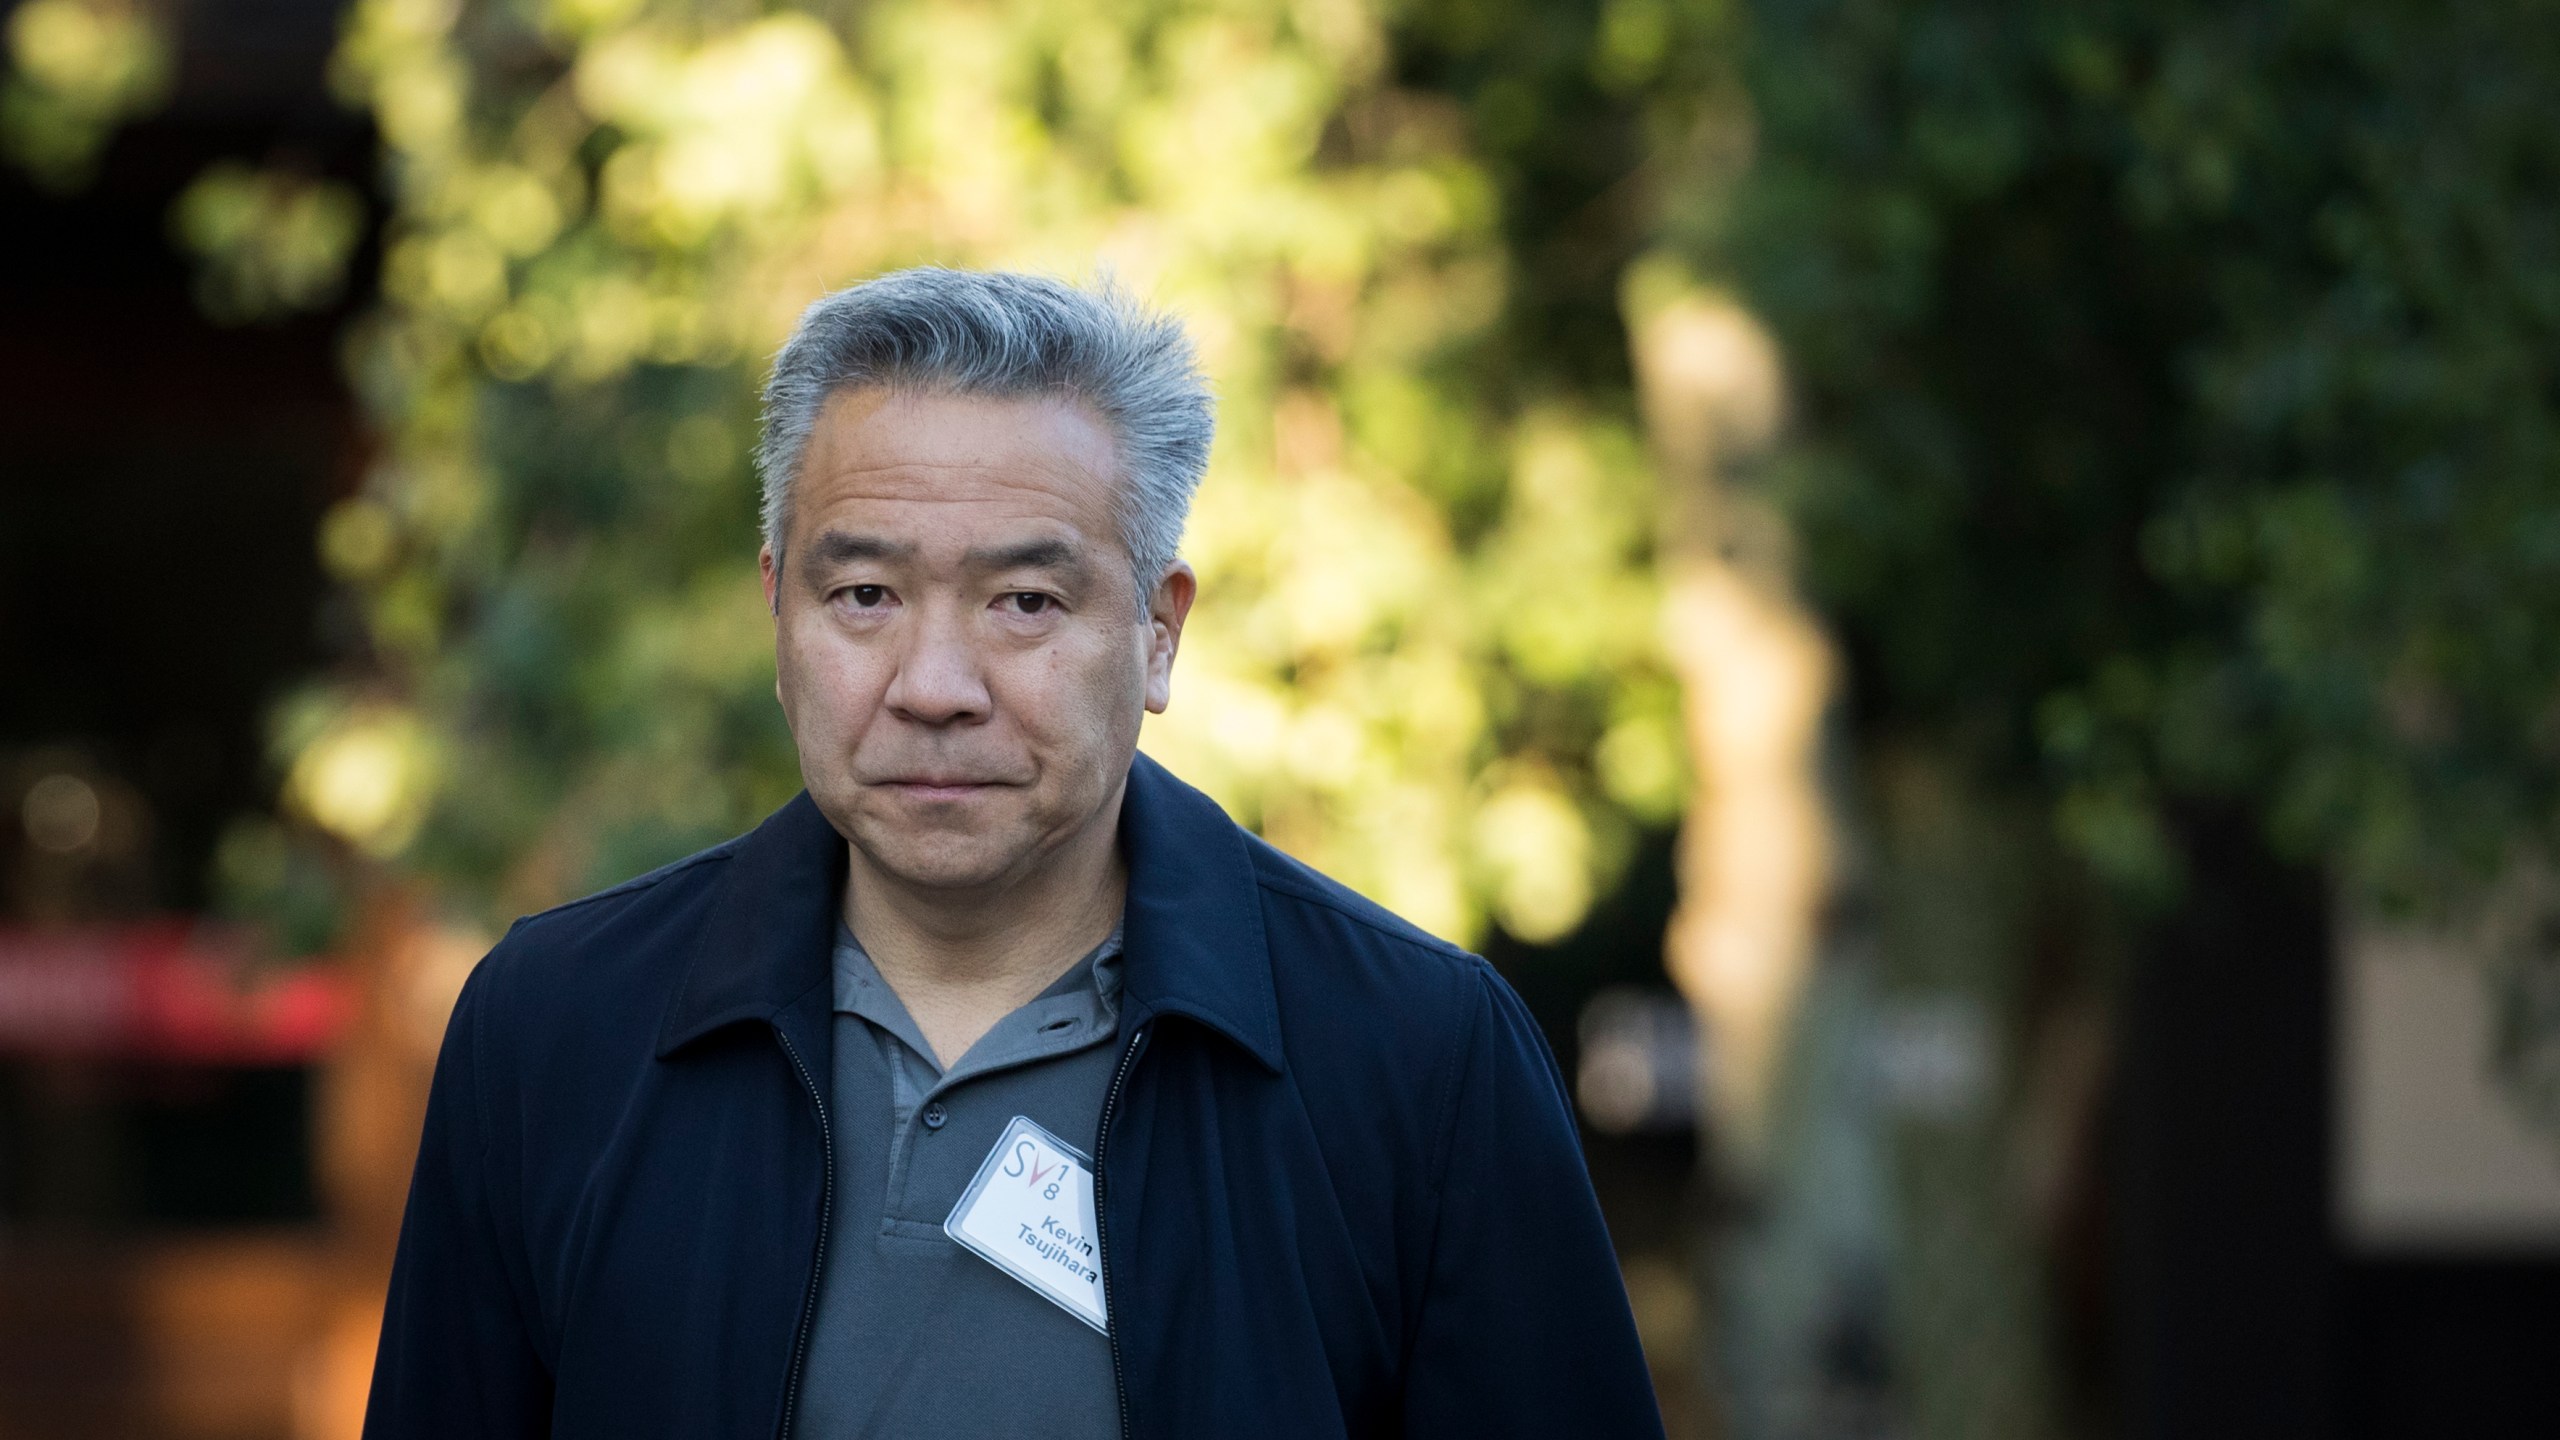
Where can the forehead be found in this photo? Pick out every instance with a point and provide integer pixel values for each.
(927, 461)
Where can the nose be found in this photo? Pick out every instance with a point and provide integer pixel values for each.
(939, 681)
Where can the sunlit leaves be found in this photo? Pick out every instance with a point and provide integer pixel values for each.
(754, 124)
(1425, 655)
(77, 69)
(267, 243)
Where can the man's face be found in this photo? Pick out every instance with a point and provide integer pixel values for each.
(959, 651)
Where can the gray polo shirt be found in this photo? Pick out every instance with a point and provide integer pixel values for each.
(916, 1338)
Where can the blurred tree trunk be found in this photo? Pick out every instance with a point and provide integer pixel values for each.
(1955, 897)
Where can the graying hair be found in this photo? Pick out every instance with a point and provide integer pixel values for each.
(968, 332)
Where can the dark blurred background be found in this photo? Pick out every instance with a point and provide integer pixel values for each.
(1965, 597)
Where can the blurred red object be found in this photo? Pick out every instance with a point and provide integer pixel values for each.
(171, 990)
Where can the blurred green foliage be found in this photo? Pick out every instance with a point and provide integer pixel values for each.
(2173, 440)
(266, 242)
(77, 69)
(2177, 418)
(1428, 595)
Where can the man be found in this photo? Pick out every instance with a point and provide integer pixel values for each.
(999, 1084)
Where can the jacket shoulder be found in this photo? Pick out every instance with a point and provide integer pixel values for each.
(1386, 1025)
(1363, 991)
(1294, 884)
(582, 958)
(670, 883)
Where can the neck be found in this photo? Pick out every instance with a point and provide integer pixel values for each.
(994, 946)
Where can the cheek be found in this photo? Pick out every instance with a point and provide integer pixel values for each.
(827, 682)
(1074, 693)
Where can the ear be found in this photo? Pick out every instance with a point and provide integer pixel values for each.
(772, 572)
(1167, 608)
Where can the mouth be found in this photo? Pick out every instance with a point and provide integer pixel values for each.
(936, 789)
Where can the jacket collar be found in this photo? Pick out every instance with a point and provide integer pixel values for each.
(1192, 931)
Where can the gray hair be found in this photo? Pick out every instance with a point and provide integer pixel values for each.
(970, 332)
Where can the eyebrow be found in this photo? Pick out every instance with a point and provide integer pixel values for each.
(1051, 554)
(835, 547)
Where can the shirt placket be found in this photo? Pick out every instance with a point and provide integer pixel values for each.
(922, 1092)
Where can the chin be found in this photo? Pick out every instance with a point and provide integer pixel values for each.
(941, 862)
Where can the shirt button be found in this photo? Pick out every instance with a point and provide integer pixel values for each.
(934, 1115)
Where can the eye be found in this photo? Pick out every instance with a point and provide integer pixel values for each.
(1029, 602)
(865, 597)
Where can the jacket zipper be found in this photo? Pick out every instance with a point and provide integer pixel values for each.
(1101, 1217)
(826, 1218)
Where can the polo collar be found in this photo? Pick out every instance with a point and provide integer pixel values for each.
(1192, 936)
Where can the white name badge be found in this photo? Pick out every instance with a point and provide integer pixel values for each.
(1030, 1214)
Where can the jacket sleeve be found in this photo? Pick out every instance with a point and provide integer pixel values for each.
(458, 1359)
(1524, 1327)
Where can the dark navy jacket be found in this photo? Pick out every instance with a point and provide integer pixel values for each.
(1340, 1188)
